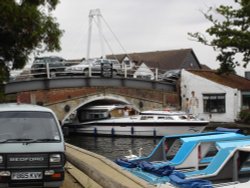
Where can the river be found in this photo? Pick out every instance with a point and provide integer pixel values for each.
(113, 148)
(116, 147)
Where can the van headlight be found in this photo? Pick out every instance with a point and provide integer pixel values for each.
(1, 159)
(55, 158)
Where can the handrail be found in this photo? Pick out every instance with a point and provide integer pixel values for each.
(51, 72)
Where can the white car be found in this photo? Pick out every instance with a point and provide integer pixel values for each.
(97, 66)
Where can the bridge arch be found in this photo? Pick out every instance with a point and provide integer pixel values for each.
(74, 104)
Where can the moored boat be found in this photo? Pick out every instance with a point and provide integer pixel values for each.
(147, 123)
(220, 157)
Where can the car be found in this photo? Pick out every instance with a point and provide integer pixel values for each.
(55, 64)
(32, 146)
(98, 66)
(170, 75)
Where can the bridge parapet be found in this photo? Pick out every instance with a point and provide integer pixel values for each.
(76, 82)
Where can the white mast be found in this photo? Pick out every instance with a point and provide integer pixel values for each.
(95, 13)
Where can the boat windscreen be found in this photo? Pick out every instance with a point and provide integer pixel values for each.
(171, 150)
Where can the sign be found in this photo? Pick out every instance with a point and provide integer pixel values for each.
(107, 70)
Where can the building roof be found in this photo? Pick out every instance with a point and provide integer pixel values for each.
(230, 80)
(205, 67)
(165, 60)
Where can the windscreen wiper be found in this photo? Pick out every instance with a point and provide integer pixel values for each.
(24, 140)
(43, 140)
(28, 140)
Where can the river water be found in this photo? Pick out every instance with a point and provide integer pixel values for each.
(116, 147)
(113, 148)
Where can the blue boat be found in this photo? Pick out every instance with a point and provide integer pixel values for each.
(214, 156)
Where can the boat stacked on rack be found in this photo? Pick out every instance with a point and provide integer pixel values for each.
(147, 123)
(209, 159)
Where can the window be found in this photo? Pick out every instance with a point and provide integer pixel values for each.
(247, 74)
(214, 103)
(245, 100)
(147, 117)
(27, 125)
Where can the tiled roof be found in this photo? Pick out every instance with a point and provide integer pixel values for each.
(205, 67)
(172, 59)
(230, 80)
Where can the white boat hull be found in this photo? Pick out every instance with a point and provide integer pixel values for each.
(137, 130)
(148, 124)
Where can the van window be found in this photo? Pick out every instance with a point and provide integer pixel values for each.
(28, 125)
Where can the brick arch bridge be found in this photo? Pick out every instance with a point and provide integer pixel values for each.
(65, 95)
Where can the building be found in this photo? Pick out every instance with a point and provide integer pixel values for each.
(162, 60)
(221, 97)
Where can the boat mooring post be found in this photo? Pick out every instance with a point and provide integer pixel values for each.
(132, 131)
(113, 132)
(154, 133)
(95, 131)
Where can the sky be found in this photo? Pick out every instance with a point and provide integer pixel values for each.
(139, 25)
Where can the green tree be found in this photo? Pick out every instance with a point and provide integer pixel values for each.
(229, 34)
(26, 26)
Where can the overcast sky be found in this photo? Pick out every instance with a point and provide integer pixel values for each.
(140, 26)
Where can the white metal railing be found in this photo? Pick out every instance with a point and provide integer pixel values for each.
(125, 72)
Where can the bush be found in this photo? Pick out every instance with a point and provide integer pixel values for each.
(245, 116)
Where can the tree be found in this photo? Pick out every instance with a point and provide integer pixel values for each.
(229, 35)
(26, 26)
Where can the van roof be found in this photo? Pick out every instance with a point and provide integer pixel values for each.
(22, 107)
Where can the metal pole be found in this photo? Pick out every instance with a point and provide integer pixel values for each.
(89, 34)
(47, 70)
(98, 14)
(235, 166)
(91, 15)
(125, 71)
(156, 74)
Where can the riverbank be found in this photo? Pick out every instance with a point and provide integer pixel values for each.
(244, 127)
(100, 171)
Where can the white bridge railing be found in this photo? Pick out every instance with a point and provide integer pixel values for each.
(153, 74)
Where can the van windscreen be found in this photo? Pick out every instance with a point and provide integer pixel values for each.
(28, 125)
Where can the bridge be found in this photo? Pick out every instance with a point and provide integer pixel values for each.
(65, 94)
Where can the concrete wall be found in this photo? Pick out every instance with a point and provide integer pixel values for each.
(191, 82)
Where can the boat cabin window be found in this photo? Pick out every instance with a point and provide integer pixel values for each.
(89, 115)
(165, 118)
(172, 149)
(244, 162)
(147, 117)
(206, 152)
(212, 150)
(183, 117)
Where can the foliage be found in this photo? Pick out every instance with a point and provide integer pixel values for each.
(26, 26)
(229, 33)
(244, 116)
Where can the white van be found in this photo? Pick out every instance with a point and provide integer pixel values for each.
(31, 147)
